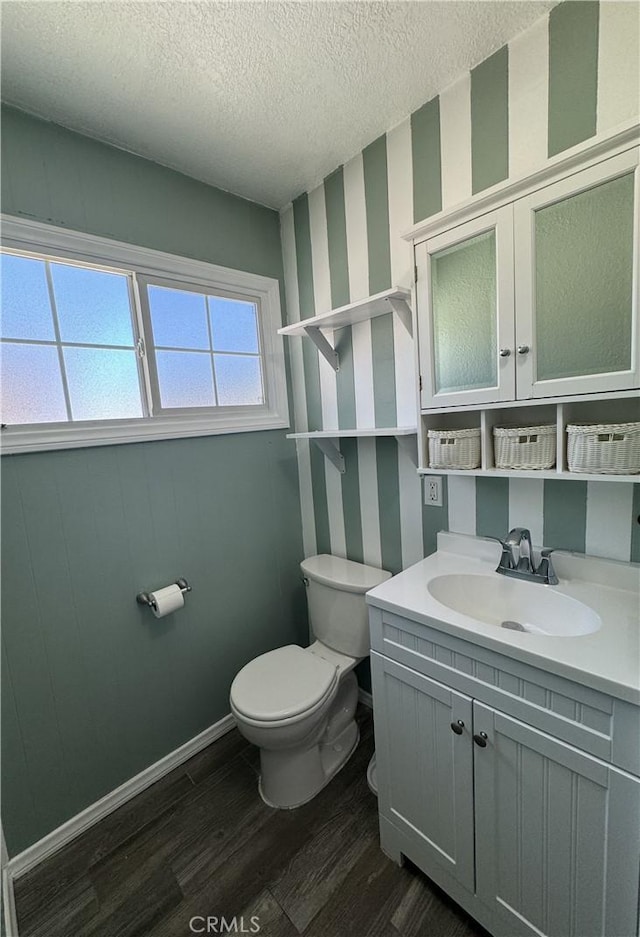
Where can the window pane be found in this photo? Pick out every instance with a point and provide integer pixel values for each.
(92, 306)
(31, 384)
(239, 380)
(584, 282)
(103, 383)
(178, 318)
(234, 325)
(26, 311)
(185, 379)
(465, 314)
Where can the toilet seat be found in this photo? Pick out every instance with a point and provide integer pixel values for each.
(282, 685)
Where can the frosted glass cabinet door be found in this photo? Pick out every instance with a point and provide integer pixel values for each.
(465, 312)
(577, 283)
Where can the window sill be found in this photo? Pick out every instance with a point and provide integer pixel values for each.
(43, 439)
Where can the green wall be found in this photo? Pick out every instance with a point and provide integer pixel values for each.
(94, 689)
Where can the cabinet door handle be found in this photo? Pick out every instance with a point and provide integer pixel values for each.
(481, 739)
(523, 349)
(505, 352)
(457, 727)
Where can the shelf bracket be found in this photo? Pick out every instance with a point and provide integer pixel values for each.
(330, 450)
(323, 346)
(410, 446)
(403, 311)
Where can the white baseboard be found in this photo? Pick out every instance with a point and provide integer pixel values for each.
(365, 698)
(59, 837)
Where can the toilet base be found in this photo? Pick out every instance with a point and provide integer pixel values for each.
(295, 778)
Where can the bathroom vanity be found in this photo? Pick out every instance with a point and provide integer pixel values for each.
(508, 761)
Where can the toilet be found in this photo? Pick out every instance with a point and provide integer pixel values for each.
(298, 704)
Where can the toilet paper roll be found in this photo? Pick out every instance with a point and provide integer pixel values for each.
(166, 600)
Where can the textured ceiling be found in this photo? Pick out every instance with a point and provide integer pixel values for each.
(262, 99)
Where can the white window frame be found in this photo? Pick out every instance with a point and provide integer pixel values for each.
(38, 238)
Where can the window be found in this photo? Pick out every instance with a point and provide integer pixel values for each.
(102, 342)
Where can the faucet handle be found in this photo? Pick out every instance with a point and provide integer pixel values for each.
(545, 567)
(506, 559)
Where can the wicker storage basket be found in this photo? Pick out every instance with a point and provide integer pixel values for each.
(607, 448)
(525, 447)
(454, 448)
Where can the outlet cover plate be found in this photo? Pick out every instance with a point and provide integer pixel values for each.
(433, 490)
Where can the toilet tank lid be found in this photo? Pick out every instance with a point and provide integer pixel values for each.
(343, 574)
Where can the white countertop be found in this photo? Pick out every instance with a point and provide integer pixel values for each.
(607, 659)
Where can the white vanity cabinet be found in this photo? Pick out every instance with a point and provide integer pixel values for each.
(515, 790)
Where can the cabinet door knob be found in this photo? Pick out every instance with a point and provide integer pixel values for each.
(481, 739)
(505, 352)
(457, 727)
(523, 349)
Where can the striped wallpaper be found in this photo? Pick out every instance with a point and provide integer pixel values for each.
(570, 76)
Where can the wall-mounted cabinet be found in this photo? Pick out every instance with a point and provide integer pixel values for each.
(537, 298)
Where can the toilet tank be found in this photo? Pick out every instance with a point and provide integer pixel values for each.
(337, 607)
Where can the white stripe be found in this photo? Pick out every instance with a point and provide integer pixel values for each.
(528, 99)
(363, 375)
(410, 509)
(462, 504)
(400, 187)
(309, 543)
(319, 250)
(609, 510)
(526, 504)
(455, 141)
(618, 64)
(355, 210)
(368, 473)
(358, 260)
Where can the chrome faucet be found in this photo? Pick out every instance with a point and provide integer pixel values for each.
(520, 564)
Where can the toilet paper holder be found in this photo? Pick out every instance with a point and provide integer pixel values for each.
(143, 598)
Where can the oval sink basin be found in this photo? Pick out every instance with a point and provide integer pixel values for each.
(515, 605)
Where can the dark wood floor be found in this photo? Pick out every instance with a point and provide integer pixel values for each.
(200, 843)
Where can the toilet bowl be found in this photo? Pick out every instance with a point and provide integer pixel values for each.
(298, 704)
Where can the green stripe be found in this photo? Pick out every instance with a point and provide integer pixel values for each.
(434, 519)
(337, 236)
(389, 503)
(345, 379)
(573, 73)
(635, 526)
(490, 121)
(304, 263)
(492, 507)
(376, 193)
(351, 501)
(565, 515)
(320, 507)
(425, 153)
(384, 371)
(302, 233)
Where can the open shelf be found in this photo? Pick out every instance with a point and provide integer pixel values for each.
(393, 300)
(614, 407)
(325, 440)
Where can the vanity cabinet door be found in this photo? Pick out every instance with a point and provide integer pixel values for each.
(424, 767)
(576, 266)
(465, 313)
(557, 834)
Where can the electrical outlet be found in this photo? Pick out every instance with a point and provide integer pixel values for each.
(433, 490)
